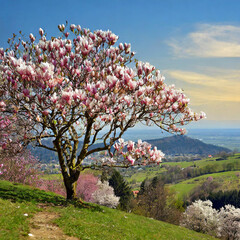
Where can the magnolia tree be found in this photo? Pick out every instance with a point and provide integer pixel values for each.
(84, 89)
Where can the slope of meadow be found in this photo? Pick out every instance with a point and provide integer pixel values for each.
(227, 181)
(19, 203)
(212, 165)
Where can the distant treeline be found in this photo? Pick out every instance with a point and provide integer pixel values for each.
(220, 199)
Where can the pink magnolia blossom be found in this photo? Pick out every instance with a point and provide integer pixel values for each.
(41, 32)
(32, 37)
(141, 154)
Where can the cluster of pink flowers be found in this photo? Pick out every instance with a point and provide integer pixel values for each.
(141, 154)
(4, 137)
(53, 185)
(5, 127)
(10, 135)
(96, 86)
(2, 106)
(86, 185)
(21, 168)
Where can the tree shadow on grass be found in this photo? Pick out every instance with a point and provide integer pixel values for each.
(22, 193)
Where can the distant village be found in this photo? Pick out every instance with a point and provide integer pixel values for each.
(52, 167)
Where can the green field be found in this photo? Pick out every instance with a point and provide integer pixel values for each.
(139, 176)
(52, 176)
(59, 175)
(228, 181)
(89, 222)
(232, 163)
(207, 161)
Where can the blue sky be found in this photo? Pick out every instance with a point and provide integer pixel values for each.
(196, 44)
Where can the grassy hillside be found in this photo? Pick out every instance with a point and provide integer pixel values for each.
(17, 200)
(227, 180)
(232, 163)
(225, 172)
(92, 222)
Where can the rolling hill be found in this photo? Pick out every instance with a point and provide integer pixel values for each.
(186, 145)
(169, 145)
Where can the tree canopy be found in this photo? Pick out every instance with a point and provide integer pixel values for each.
(86, 87)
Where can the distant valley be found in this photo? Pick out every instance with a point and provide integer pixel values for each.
(174, 145)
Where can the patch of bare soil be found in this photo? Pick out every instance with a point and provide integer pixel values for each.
(43, 228)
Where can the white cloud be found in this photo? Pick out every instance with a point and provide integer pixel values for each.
(209, 41)
(216, 91)
(219, 85)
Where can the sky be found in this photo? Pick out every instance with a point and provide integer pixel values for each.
(195, 44)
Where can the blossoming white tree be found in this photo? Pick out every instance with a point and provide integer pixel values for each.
(105, 196)
(83, 88)
(201, 217)
(229, 222)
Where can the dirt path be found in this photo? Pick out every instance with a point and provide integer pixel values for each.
(43, 228)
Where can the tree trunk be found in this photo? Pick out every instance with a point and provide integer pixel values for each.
(70, 178)
(70, 189)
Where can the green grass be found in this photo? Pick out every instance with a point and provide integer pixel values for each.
(227, 181)
(22, 193)
(107, 224)
(141, 175)
(52, 176)
(206, 161)
(231, 159)
(17, 200)
(58, 176)
(13, 223)
(218, 166)
(85, 222)
(183, 189)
